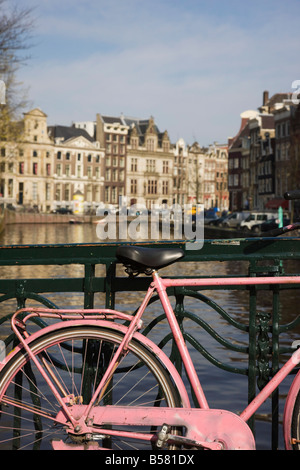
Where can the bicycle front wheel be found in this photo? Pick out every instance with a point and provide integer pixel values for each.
(77, 356)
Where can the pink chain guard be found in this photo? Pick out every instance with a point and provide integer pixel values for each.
(203, 426)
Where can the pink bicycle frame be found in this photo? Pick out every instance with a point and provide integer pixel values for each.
(294, 360)
(160, 285)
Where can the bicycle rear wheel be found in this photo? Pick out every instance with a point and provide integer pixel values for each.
(294, 439)
(78, 357)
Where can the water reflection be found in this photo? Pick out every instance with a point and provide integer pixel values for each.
(223, 389)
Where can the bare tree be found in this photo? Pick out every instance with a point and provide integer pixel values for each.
(16, 24)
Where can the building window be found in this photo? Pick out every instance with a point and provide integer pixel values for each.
(134, 142)
(97, 194)
(21, 168)
(165, 187)
(166, 146)
(133, 164)
(107, 193)
(150, 144)
(114, 194)
(34, 168)
(67, 192)
(133, 186)
(2, 187)
(115, 175)
(152, 187)
(150, 165)
(165, 167)
(57, 193)
(10, 188)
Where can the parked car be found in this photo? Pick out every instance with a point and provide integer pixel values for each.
(63, 210)
(268, 225)
(256, 218)
(218, 221)
(235, 219)
(209, 217)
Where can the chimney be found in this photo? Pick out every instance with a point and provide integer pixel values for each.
(265, 97)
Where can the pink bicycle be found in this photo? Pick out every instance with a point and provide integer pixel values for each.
(91, 380)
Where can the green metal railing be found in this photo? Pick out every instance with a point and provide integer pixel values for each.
(263, 330)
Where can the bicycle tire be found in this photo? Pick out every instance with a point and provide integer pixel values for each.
(295, 425)
(20, 382)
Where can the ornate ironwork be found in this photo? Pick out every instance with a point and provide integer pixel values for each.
(260, 356)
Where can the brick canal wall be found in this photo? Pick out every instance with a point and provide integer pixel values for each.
(12, 217)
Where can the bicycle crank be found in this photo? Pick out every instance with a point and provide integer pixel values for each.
(164, 438)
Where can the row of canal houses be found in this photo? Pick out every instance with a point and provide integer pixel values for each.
(263, 158)
(50, 167)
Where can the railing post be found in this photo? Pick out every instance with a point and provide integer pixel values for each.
(275, 356)
(110, 294)
(252, 352)
(89, 275)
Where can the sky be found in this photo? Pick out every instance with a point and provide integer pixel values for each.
(194, 65)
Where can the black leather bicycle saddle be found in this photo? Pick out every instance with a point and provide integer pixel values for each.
(143, 259)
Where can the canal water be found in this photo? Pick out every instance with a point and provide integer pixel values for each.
(223, 389)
